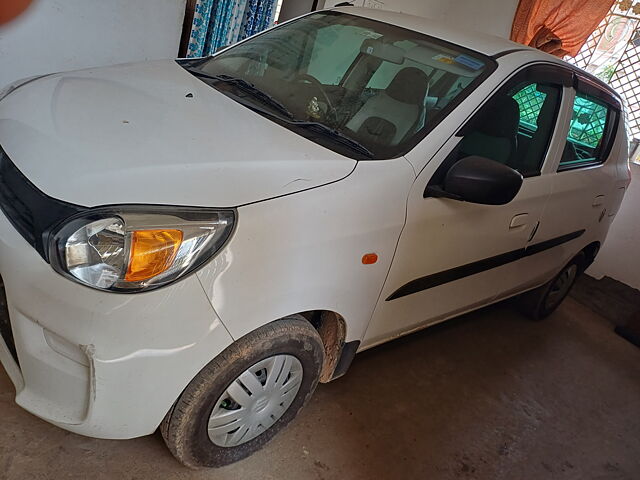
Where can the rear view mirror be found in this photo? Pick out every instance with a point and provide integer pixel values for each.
(479, 180)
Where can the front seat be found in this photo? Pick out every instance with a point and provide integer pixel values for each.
(387, 117)
(495, 133)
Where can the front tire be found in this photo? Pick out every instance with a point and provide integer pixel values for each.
(243, 397)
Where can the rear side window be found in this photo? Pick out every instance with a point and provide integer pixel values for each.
(591, 133)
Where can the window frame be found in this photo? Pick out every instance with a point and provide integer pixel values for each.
(586, 86)
(561, 75)
(534, 72)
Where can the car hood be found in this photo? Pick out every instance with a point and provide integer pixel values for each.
(152, 133)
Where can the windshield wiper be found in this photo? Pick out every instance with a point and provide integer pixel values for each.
(334, 134)
(249, 88)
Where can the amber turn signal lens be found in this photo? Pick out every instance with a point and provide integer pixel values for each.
(369, 258)
(152, 252)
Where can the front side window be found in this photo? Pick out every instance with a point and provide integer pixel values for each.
(516, 125)
(530, 101)
(360, 87)
(587, 138)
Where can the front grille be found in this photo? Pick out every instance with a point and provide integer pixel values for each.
(5, 324)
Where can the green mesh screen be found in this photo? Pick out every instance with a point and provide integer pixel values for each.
(530, 101)
(588, 121)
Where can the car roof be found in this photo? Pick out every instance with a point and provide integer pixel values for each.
(490, 45)
(474, 40)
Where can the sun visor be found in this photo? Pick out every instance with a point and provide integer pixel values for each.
(459, 64)
(383, 51)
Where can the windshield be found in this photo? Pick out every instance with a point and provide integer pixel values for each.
(360, 87)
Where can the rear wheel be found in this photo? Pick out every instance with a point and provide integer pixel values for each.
(242, 398)
(538, 304)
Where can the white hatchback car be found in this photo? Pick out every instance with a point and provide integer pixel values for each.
(194, 244)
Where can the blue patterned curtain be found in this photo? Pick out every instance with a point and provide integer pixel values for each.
(222, 22)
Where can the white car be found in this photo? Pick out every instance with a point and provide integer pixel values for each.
(194, 244)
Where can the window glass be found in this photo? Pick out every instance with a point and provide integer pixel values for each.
(374, 85)
(344, 42)
(530, 101)
(586, 132)
(515, 126)
(387, 71)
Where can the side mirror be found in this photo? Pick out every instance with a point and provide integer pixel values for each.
(479, 180)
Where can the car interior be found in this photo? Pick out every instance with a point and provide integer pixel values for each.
(391, 87)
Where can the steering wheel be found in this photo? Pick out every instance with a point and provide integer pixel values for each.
(305, 77)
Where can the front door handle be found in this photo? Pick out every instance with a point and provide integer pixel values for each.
(598, 201)
(519, 221)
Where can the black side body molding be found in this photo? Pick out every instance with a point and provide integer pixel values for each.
(456, 273)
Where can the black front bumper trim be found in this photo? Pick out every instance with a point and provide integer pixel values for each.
(32, 213)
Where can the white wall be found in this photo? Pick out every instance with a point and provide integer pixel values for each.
(620, 255)
(488, 16)
(57, 35)
(294, 8)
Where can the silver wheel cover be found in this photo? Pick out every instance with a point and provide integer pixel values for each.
(255, 400)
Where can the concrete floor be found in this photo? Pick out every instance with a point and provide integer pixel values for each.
(486, 396)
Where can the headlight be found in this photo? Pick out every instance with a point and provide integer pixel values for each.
(130, 249)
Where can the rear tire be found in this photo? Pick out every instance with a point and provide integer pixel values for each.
(538, 304)
(261, 382)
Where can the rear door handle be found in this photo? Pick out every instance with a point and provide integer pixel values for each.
(598, 201)
(519, 221)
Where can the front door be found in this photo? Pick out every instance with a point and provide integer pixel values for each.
(454, 256)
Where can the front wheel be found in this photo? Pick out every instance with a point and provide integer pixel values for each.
(538, 304)
(243, 397)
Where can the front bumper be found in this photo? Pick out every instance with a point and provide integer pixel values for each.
(100, 364)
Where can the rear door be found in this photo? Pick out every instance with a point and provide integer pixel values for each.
(586, 182)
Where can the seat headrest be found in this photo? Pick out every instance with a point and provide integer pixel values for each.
(409, 86)
(500, 119)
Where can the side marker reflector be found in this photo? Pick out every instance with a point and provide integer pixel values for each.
(369, 258)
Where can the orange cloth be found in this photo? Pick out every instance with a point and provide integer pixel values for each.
(559, 27)
(10, 9)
